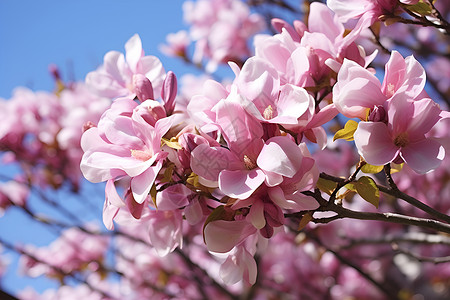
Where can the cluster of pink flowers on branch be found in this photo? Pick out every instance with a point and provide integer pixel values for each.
(246, 162)
(235, 181)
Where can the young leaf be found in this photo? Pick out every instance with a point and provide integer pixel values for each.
(347, 132)
(326, 186)
(422, 8)
(371, 169)
(172, 143)
(368, 190)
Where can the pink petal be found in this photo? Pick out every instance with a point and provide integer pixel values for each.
(240, 184)
(173, 197)
(322, 19)
(208, 162)
(133, 48)
(280, 155)
(374, 143)
(241, 131)
(165, 231)
(293, 102)
(258, 79)
(235, 231)
(423, 156)
(356, 90)
(426, 115)
(256, 214)
(141, 184)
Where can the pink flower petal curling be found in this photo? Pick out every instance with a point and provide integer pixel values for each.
(280, 155)
(173, 197)
(240, 184)
(235, 231)
(141, 184)
(256, 214)
(374, 143)
(165, 231)
(239, 266)
(423, 156)
(356, 90)
(208, 162)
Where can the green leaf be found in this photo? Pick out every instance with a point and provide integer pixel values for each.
(347, 132)
(422, 8)
(326, 186)
(368, 190)
(371, 169)
(172, 143)
(168, 172)
(219, 213)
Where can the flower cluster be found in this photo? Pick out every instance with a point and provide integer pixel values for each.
(243, 162)
(237, 179)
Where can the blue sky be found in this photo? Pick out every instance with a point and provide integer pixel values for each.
(74, 35)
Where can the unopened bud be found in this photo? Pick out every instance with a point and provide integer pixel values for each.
(88, 125)
(377, 114)
(142, 87)
(169, 92)
(54, 71)
(300, 27)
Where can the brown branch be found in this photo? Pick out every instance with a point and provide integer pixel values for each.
(383, 288)
(420, 258)
(385, 217)
(395, 191)
(410, 237)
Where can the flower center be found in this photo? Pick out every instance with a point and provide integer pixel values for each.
(141, 155)
(390, 90)
(249, 163)
(268, 113)
(401, 140)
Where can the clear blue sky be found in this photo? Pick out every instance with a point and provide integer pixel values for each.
(73, 35)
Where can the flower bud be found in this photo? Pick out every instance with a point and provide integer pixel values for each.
(169, 92)
(279, 24)
(300, 27)
(142, 87)
(377, 114)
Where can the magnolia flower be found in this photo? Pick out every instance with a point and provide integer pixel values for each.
(357, 89)
(403, 137)
(125, 144)
(115, 77)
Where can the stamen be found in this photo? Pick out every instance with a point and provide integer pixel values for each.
(268, 113)
(141, 155)
(401, 140)
(249, 163)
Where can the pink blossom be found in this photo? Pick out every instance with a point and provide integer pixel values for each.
(177, 44)
(259, 84)
(12, 193)
(403, 137)
(124, 144)
(367, 9)
(221, 29)
(115, 77)
(357, 89)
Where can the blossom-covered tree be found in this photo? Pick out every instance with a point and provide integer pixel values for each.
(319, 170)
